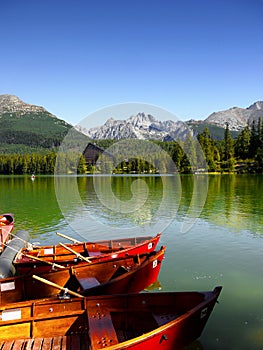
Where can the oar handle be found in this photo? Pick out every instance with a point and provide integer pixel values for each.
(45, 261)
(76, 253)
(67, 237)
(41, 279)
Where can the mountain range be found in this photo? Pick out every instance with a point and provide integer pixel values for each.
(33, 126)
(146, 126)
(141, 126)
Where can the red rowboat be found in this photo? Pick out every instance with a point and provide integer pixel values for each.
(144, 321)
(40, 259)
(6, 227)
(122, 275)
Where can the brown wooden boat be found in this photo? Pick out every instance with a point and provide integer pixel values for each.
(144, 321)
(129, 274)
(6, 227)
(33, 259)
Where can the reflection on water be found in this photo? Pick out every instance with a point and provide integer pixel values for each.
(224, 246)
(236, 202)
(132, 202)
(33, 203)
(117, 203)
(233, 201)
(143, 203)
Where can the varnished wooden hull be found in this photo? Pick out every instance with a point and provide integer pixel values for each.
(122, 275)
(5, 229)
(145, 321)
(94, 251)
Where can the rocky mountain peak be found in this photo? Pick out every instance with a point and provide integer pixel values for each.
(256, 106)
(12, 104)
(142, 118)
(237, 118)
(141, 126)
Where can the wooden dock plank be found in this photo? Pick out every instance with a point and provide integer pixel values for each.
(56, 344)
(37, 344)
(64, 343)
(47, 344)
(8, 345)
(18, 344)
(28, 344)
(69, 342)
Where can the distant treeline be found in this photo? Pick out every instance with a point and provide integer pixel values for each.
(244, 154)
(44, 164)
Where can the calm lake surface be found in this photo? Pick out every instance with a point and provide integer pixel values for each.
(211, 225)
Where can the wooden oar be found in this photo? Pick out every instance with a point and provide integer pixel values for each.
(69, 238)
(76, 253)
(34, 257)
(45, 261)
(41, 279)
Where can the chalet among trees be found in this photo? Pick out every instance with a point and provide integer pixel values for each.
(93, 152)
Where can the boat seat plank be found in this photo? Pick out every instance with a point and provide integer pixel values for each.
(102, 331)
(87, 282)
(95, 253)
(162, 319)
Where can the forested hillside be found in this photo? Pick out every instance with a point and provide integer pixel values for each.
(216, 132)
(31, 132)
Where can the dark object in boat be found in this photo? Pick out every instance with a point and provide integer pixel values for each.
(7, 268)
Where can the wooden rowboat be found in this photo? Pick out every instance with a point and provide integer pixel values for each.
(122, 275)
(39, 259)
(6, 227)
(144, 321)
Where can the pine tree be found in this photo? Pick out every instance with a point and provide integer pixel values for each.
(82, 168)
(228, 150)
(242, 144)
(253, 141)
(209, 149)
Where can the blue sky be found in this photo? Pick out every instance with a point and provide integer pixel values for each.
(189, 57)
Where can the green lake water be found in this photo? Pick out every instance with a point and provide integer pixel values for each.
(211, 226)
